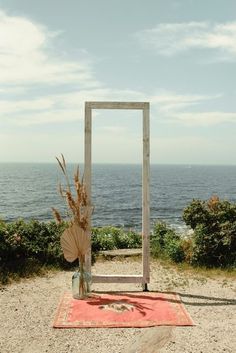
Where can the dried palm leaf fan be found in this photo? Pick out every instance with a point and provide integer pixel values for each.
(74, 243)
(74, 240)
(69, 245)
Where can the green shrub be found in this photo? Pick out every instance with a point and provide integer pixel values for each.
(121, 239)
(102, 239)
(109, 238)
(187, 246)
(173, 248)
(166, 242)
(35, 244)
(157, 238)
(34, 239)
(159, 232)
(27, 246)
(134, 239)
(214, 238)
(5, 246)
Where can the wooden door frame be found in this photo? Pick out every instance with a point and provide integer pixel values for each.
(144, 279)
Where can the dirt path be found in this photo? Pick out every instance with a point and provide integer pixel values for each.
(28, 308)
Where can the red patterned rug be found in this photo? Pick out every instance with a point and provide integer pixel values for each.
(122, 310)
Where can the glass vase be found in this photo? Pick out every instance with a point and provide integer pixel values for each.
(81, 283)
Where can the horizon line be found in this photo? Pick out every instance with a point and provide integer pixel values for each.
(121, 163)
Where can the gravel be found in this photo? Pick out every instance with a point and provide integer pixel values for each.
(28, 308)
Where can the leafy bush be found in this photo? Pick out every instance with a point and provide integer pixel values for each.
(173, 247)
(187, 247)
(109, 238)
(102, 239)
(33, 239)
(159, 232)
(214, 238)
(134, 239)
(166, 242)
(157, 239)
(27, 246)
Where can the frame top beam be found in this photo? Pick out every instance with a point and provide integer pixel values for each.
(117, 105)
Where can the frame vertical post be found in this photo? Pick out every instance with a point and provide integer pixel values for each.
(87, 174)
(146, 196)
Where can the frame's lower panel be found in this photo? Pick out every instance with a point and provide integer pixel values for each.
(118, 279)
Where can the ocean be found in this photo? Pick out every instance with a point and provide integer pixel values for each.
(29, 190)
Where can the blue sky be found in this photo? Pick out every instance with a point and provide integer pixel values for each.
(178, 55)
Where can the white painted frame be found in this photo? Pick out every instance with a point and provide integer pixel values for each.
(144, 106)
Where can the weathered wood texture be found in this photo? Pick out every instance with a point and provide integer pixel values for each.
(146, 194)
(145, 278)
(87, 173)
(121, 253)
(117, 105)
(117, 279)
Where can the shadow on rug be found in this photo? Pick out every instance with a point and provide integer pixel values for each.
(122, 310)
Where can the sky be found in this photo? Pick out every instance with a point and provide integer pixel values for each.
(179, 55)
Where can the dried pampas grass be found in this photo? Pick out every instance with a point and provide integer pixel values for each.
(74, 240)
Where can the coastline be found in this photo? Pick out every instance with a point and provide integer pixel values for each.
(30, 190)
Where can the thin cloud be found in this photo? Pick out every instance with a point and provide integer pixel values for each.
(170, 101)
(46, 117)
(69, 107)
(174, 38)
(204, 118)
(113, 129)
(25, 58)
(10, 107)
(175, 108)
(193, 149)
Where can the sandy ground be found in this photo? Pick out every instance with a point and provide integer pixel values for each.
(28, 308)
